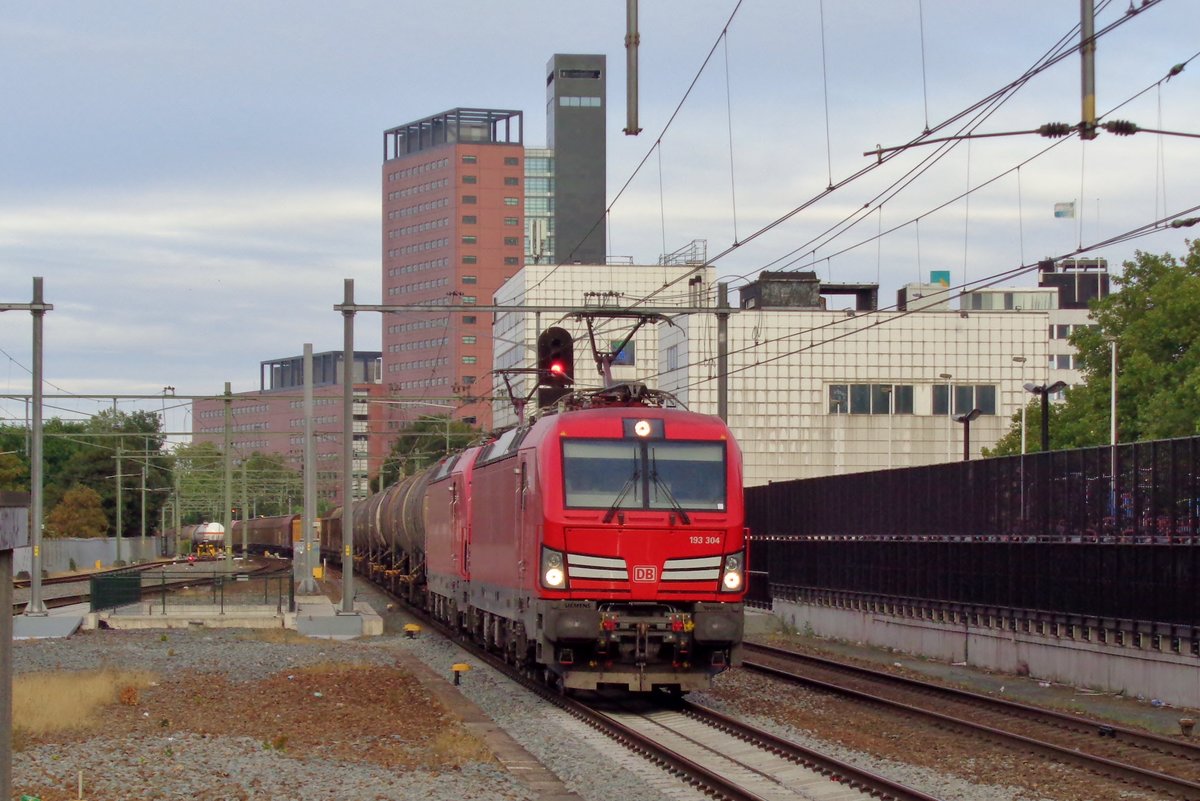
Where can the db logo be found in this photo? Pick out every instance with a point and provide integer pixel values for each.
(645, 573)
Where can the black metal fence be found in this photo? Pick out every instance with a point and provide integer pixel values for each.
(167, 590)
(1054, 496)
(1045, 533)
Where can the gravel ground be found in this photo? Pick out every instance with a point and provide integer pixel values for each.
(241, 715)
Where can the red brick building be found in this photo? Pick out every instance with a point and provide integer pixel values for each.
(453, 232)
(271, 420)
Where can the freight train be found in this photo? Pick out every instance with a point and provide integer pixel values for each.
(601, 545)
(203, 539)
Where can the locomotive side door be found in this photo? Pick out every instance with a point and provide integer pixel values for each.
(458, 528)
(520, 515)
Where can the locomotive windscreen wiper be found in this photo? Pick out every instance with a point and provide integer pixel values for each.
(630, 483)
(660, 484)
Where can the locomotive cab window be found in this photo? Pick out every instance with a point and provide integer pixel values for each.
(654, 474)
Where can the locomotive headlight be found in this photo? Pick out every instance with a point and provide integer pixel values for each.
(642, 428)
(731, 578)
(554, 577)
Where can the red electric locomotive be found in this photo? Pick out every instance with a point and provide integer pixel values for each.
(603, 545)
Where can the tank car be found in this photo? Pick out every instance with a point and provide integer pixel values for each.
(208, 539)
(602, 546)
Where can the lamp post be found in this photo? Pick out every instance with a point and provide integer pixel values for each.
(966, 419)
(1045, 392)
(887, 390)
(1020, 360)
(1112, 424)
(949, 412)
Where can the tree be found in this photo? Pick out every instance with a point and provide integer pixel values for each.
(14, 473)
(422, 443)
(1154, 316)
(80, 513)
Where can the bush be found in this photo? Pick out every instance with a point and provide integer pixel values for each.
(120, 563)
(22, 575)
(73, 566)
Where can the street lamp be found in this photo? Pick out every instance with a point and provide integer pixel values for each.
(1021, 361)
(887, 390)
(949, 412)
(1045, 392)
(966, 419)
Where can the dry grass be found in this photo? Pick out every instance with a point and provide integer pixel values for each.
(456, 748)
(63, 701)
(279, 636)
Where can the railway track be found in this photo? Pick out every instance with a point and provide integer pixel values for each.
(719, 756)
(67, 590)
(740, 761)
(1149, 761)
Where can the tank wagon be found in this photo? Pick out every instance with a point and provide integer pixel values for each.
(602, 546)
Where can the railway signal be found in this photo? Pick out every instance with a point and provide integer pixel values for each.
(556, 365)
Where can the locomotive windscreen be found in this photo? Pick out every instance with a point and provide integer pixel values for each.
(656, 474)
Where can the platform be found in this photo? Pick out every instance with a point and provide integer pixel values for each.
(315, 616)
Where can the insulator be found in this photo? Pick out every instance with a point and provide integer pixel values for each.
(1120, 127)
(1056, 130)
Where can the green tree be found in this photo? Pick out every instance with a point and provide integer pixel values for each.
(271, 486)
(80, 513)
(1153, 314)
(14, 473)
(201, 482)
(422, 443)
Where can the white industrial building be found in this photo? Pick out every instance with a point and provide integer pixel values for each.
(811, 391)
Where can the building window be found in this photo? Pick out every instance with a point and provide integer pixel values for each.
(468, 339)
(511, 240)
(839, 400)
(469, 200)
(510, 180)
(512, 201)
(511, 260)
(1064, 361)
(470, 219)
(625, 356)
(469, 260)
(870, 398)
(470, 179)
(966, 398)
(468, 359)
(470, 279)
(511, 161)
(511, 221)
(468, 300)
(469, 239)
(468, 159)
(468, 319)
(468, 379)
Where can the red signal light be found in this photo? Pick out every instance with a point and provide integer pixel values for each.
(557, 369)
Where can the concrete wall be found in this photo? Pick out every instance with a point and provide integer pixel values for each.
(1173, 678)
(58, 553)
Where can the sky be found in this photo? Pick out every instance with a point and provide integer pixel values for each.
(195, 179)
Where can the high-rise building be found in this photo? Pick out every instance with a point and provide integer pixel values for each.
(575, 129)
(465, 206)
(453, 224)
